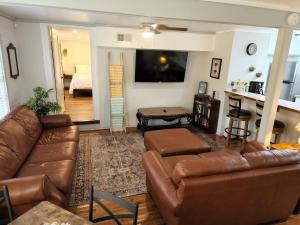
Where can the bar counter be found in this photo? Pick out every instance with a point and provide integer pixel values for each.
(283, 104)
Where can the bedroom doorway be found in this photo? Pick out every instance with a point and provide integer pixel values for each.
(72, 70)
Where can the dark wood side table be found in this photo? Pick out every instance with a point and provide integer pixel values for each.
(46, 212)
(169, 114)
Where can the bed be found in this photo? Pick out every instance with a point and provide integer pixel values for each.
(81, 80)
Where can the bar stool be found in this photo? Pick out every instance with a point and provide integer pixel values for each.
(278, 127)
(237, 114)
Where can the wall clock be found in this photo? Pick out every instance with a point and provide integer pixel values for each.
(251, 49)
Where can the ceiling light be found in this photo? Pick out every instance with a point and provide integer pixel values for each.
(147, 32)
(74, 31)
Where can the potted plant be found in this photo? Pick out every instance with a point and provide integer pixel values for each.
(40, 103)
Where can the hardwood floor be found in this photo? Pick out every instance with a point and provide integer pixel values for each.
(79, 108)
(148, 213)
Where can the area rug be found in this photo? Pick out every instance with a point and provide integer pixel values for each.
(112, 163)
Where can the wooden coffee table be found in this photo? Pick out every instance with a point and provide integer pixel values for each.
(46, 212)
(169, 114)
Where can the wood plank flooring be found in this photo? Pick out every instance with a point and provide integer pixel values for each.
(79, 108)
(148, 213)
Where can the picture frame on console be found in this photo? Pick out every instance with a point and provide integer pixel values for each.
(202, 90)
(215, 70)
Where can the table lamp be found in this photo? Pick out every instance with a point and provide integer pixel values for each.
(298, 129)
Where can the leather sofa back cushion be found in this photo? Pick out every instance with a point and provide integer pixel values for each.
(253, 146)
(29, 121)
(264, 159)
(208, 166)
(19, 131)
(9, 163)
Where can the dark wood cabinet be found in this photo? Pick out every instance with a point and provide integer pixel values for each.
(206, 113)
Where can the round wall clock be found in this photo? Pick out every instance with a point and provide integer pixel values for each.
(251, 49)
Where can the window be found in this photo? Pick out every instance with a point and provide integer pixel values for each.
(4, 104)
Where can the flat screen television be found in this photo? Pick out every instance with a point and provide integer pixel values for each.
(160, 66)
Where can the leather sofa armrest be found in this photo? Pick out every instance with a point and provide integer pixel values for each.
(165, 190)
(31, 189)
(54, 121)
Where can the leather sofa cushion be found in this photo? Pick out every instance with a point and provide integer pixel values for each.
(53, 152)
(19, 131)
(224, 153)
(29, 121)
(264, 159)
(61, 134)
(9, 163)
(170, 162)
(14, 136)
(59, 172)
(253, 146)
(177, 141)
(208, 166)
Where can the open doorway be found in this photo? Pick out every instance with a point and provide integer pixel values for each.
(72, 66)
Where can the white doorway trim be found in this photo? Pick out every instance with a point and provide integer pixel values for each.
(48, 62)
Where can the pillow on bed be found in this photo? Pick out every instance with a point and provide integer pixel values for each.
(81, 68)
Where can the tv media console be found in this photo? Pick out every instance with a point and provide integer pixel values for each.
(169, 114)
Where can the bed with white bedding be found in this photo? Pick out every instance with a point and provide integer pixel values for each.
(81, 80)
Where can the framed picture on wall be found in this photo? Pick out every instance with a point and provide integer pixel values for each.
(215, 70)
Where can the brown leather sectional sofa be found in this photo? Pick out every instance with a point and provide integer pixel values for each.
(37, 158)
(225, 187)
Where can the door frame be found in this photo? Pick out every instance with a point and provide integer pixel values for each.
(93, 55)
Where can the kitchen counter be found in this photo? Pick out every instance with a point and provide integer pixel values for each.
(283, 104)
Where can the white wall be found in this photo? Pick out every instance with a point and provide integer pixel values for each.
(14, 86)
(31, 54)
(78, 53)
(241, 61)
(223, 46)
(149, 94)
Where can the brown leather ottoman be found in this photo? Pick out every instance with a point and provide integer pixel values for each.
(178, 141)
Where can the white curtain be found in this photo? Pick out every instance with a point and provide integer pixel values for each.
(4, 104)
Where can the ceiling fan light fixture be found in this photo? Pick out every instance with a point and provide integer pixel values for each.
(147, 32)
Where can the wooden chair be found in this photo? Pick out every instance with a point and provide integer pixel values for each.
(4, 198)
(278, 127)
(236, 113)
(97, 196)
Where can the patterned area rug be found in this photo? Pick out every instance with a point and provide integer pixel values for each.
(112, 163)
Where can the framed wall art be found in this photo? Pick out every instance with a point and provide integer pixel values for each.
(215, 70)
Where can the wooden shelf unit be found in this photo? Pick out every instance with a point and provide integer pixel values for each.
(206, 113)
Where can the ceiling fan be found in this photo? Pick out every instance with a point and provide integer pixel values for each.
(149, 29)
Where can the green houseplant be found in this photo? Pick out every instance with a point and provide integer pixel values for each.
(40, 103)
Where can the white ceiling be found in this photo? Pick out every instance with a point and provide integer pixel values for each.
(87, 18)
(67, 34)
(285, 5)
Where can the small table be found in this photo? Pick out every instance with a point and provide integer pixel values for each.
(46, 212)
(144, 115)
(284, 146)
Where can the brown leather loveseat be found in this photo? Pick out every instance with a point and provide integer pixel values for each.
(225, 187)
(37, 158)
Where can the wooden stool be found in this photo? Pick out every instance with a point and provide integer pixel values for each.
(278, 127)
(236, 113)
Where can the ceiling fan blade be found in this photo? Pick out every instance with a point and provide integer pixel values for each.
(165, 27)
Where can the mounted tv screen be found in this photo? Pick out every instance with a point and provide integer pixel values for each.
(160, 66)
